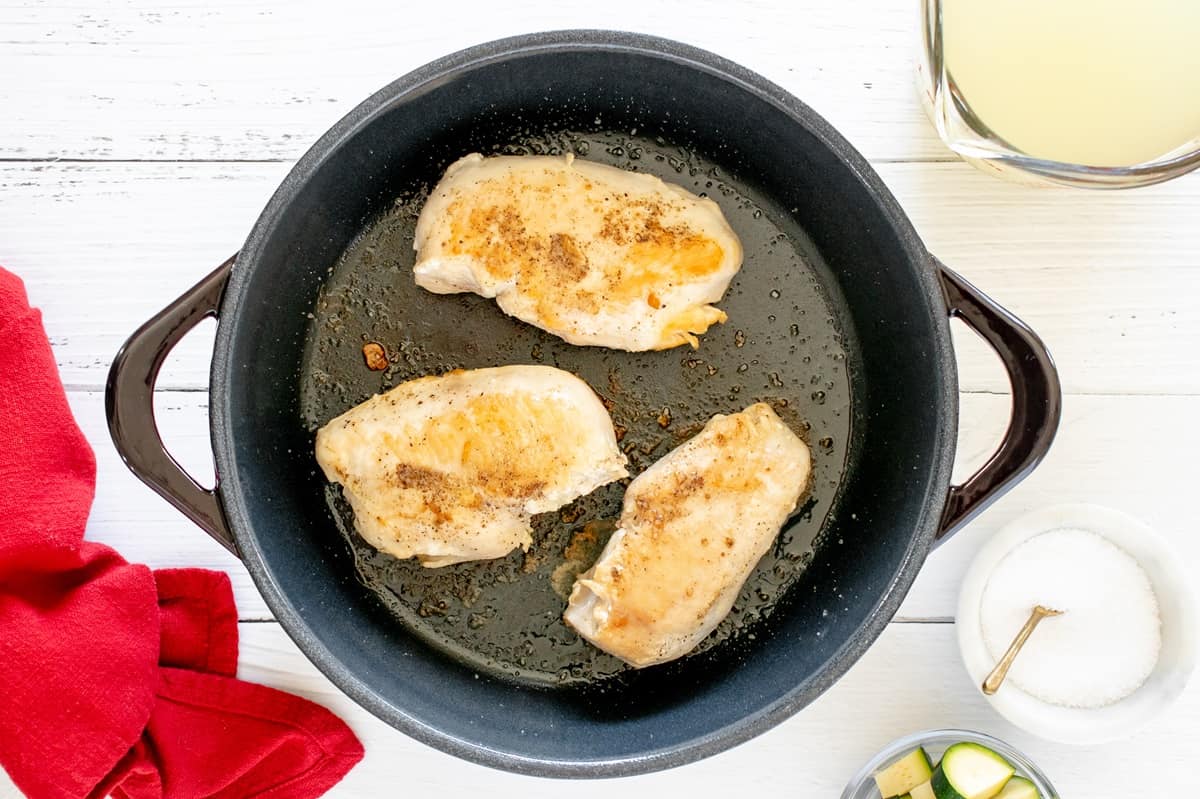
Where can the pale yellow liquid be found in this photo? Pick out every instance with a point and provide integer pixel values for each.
(1093, 82)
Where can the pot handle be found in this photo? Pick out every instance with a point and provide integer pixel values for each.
(129, 403)
(1036, 401)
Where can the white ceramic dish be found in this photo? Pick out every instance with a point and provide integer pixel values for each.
(1177, 608)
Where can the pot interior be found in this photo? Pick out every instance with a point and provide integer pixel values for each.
(832, 319)
(783, 346)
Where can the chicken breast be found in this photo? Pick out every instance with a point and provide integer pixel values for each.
(593, 254)
(450, 468)
(692, 528)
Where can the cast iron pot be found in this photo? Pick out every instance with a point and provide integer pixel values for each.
(888, 302)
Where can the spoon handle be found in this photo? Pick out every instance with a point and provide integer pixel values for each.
(997, 675)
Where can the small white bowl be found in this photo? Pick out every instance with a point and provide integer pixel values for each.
(1177, 609)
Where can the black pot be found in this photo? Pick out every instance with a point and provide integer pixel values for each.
(891, 299)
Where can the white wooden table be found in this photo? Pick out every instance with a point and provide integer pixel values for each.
(138, 143)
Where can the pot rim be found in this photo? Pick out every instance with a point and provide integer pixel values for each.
(292, 620)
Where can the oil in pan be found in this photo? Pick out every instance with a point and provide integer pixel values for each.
(782, 344)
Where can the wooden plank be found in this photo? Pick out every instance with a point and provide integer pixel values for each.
(260, 80)
(889, 693)
(1126, 452)
(910, 680)
(1109, 279)
(102, 248)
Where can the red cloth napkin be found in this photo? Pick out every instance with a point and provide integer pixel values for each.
(115, 679)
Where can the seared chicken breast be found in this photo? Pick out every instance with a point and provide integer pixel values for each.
(593, 254)
(692, 528)
(450, 468)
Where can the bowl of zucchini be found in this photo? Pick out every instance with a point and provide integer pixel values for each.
(949, 764)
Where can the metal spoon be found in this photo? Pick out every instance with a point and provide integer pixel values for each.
(992, 683)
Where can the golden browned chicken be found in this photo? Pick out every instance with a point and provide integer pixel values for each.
(692, 528)
(450, 468)
(591, 253)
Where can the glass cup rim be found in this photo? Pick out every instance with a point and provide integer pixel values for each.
(1025, 767)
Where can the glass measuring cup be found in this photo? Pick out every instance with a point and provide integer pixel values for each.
(1097, 93)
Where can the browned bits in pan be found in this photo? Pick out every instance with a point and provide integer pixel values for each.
(375, 356)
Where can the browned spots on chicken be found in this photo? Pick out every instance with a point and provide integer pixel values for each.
(439, 493)
(476, 432)
(612, 228)
(670, 501)
(688, 484)
(440, 515)
(658, 261)
(493, 234)
(566, 258)
(409, 476)
(375, 356)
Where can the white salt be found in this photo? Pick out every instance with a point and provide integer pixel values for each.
(1107, 641)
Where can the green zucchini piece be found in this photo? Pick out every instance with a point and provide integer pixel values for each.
(1016, 788)
(970, 771)
(923, 791)
(904, 774)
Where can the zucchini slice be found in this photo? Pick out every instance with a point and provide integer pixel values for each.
(1016, 788)
(924, 791)
(904, 774)
(970, 771)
